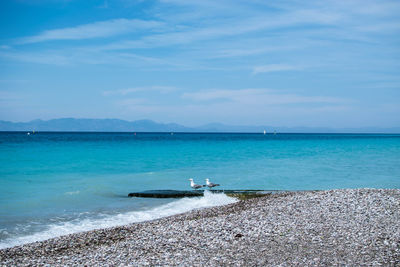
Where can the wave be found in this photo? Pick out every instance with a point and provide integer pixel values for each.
(80, 225)
(72, 193)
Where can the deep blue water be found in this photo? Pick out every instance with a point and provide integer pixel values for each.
(52, 183)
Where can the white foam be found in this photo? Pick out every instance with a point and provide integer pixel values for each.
(175, 207)
(72, 193)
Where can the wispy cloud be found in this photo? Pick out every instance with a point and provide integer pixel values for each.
(232, 113)
(47, 57)
(274, 68)
(226, 28)
(381, 27)
(6, 95)
(213, 29)
(63, 57)
(132, 102)
(147, 89)
(249, 51)
(94, 30)
(12, 99)
(258, 97)
(345, 46)
(223, 103)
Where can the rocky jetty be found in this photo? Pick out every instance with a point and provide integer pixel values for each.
(240, 194)
(325, 228)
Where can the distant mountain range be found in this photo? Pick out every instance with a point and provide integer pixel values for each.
(115, 125)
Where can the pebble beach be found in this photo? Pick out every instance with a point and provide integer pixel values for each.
(352, 227)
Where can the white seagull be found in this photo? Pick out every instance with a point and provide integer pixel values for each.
(193, 185)
(210, 185)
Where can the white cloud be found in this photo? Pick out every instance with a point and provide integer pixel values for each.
(6, 95)
(258, 97)
(226, 28)
(160, 89)
(234, 113)
(274, 68)
(94, 30)
(48, 57)
(381, 27)
(249, 51)
(64, 57)
(253, 104)
(211, 37)
(132, 101)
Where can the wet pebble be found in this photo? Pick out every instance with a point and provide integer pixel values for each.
(322, 228)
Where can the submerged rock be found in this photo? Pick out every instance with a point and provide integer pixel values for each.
(240, 194)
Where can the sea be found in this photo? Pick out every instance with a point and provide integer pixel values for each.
(57, 183)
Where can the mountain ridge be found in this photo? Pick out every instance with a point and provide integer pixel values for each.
(145, 125)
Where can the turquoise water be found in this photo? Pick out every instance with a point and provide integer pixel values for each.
(54, 183)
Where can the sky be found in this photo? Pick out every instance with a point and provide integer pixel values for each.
(251, 62)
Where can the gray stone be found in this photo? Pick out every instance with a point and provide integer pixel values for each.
(325, 228)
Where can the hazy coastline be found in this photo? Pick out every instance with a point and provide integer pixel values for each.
(117, 125)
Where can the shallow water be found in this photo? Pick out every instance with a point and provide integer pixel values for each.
(58, 183)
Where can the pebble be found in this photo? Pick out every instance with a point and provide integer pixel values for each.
(349, 227)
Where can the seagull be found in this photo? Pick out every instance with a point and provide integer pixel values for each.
(210, 185)
(193, 185)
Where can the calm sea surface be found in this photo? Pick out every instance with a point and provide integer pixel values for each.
(60, 183)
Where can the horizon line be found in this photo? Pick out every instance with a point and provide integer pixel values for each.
(206, 124)
(202, 132)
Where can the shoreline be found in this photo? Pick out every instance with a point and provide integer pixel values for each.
(347, 226)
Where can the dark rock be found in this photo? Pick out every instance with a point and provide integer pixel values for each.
(240, 194)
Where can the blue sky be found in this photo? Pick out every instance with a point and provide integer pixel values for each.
(253, 62)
